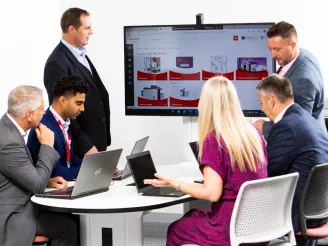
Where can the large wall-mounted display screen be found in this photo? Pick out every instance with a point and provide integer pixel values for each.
(166, 66)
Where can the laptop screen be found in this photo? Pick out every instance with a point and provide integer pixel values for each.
(142, 167)
(139, 145)
(194, 148)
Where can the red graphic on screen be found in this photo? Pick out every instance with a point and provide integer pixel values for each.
(151, 76)
(147, 102)
(242, 75)
(175, 102)
(207, 75)
(184, 76)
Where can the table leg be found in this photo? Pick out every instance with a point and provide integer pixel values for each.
(117, 229)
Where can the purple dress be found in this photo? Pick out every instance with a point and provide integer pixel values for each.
(212, 226)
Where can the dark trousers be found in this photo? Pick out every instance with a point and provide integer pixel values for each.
(300, 241)
(60, 228)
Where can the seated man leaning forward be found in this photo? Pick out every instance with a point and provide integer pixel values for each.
(296, 142)
(20, 219)
(69, 97)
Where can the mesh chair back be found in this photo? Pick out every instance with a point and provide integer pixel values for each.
(314, 203)
(262, 211)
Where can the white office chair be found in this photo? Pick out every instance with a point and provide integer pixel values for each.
(262, 211)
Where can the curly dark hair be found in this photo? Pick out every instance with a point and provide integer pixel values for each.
(68, 86)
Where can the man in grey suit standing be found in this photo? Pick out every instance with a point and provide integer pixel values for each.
(300, 67)
(20, 220)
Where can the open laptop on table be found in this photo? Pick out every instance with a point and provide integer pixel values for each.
(96, 174)
(126, 172)
(142, 167)
(194, 148)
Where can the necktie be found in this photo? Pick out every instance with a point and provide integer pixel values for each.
(85, 62)
(279, 69)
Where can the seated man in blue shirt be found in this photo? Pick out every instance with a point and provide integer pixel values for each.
(69, 97)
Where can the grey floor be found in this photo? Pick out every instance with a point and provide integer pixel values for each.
(154, 233)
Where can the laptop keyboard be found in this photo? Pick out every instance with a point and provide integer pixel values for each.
(64, 191)
(160, 192)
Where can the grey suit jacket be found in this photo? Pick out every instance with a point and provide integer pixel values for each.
(19, 179)
(307, 82)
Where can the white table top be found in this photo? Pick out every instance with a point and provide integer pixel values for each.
(121, 198)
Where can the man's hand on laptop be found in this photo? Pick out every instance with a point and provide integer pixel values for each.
(57, 182)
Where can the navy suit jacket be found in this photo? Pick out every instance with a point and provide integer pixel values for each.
(92, 127)
(296, 144)
(307, 82)
(60, 168)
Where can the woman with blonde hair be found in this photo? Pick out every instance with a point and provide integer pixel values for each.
(231, 152)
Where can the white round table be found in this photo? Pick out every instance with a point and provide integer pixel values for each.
(120, 208)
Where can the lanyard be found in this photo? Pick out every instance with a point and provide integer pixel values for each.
(67, 142)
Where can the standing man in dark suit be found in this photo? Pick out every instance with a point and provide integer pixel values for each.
(301, 68)
(296, 142)
(20, 220)
(68, 103)
(91, 130)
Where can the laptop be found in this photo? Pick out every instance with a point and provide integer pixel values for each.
(194, 148)
(126, 172)
(96, 174)
(142, 167)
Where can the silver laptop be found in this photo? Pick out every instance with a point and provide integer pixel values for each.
(139, 146)
(142, 167)
(96, 174)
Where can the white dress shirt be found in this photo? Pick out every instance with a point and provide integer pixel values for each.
(20, 129)
(285, 68)
(281, 114)
(79, 54)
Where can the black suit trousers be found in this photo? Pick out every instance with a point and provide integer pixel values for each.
(60, 228)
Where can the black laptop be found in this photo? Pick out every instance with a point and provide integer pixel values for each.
(95, 176)
(139, 146)
(142, 167)
(194, 149)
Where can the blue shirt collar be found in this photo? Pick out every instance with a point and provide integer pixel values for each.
(64, 123)
(76, 52)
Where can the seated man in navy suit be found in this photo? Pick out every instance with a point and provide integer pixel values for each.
(296, 142)
(69, 97)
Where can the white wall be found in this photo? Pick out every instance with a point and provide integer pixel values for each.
(30, 30)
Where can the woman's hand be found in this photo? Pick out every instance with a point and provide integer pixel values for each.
(161, 181)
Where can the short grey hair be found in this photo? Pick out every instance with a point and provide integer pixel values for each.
(24, 98)
(278, 86)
